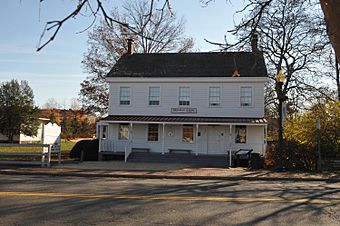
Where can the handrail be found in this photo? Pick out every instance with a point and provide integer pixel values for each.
(128, 150)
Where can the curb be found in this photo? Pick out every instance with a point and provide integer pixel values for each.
(144, 176)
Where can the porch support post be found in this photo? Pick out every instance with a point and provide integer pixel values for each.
(230, 130)
(100, 136)
(196, 139)
(163, 137)
(265, 138)
(131, 133)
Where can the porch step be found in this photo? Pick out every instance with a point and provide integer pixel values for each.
(111, 155)
(181, 158)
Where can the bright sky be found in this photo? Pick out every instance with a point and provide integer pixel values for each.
(56, 71)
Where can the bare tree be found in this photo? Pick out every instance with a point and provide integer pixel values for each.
(291, 39)
(51, 103)
(161, 32)
(94, 9)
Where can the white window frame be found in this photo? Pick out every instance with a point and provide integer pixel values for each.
(214, 101)
(244, 95)
(105, 131)
(193, 134)
(184, 100)
(148, 132)
(122, 136)
(125, 97)
(153, 99)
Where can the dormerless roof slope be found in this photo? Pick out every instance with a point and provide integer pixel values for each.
(218, 64)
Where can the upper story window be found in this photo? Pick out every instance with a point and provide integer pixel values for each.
(246, 96)
(125, 96)
(154, 95)
(184, 96)
(214, 96)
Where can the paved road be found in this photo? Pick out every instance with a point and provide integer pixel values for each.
(33, 200)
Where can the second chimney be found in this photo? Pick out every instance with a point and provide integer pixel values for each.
(131, 46)
(254, 43)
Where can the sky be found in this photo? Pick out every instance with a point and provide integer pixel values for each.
(56, 71)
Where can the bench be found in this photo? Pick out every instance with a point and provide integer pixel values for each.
(179, 151)
(102, 154)
(140, 149)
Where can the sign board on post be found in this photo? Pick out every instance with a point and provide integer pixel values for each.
(51, 135)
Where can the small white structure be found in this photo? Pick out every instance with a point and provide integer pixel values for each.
(48, 138)
(199, 103)
(48, 133)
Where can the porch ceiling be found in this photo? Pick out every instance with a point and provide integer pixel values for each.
(183, 119)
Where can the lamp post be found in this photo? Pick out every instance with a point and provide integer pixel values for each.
(280, 79)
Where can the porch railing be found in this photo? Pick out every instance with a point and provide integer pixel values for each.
(107, 145)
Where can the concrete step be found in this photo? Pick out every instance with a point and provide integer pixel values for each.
(200, 160)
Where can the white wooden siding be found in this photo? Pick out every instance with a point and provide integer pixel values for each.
(199, 98)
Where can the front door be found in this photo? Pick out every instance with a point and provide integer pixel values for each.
(216, 140)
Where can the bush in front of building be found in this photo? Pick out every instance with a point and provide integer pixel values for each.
(89, 149)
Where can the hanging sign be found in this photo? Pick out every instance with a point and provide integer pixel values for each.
(184, 110)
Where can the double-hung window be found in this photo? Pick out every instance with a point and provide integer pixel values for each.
(246, 96)
(184, 96)
(154, 95)
(188, 133)
(240, 134)
(214, 96)
(123, 132)
(153, 132)
(104, 132)
(125, 96)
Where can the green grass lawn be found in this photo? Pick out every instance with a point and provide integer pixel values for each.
(66, 147)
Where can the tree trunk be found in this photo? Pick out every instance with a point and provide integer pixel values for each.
(10, 138)
(331, 10)
(337, 77)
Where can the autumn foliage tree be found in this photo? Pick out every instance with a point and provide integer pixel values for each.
(301, 134)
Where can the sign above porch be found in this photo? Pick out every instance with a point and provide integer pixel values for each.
(183, 110)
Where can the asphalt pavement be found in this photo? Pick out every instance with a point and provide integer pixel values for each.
(45, 200)
(121, 169)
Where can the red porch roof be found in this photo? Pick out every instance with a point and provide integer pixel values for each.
(183, 119)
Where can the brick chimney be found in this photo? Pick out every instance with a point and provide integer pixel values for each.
(131, 46)
(254, 43)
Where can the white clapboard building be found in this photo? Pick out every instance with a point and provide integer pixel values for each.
(194, 103)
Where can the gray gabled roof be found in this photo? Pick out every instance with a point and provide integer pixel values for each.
(214, 64)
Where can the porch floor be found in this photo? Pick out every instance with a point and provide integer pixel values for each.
(181, 158)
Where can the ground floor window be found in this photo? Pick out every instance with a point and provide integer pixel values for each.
(188, 133)
(123, 132)
(153, 132)
(240, 134)
(104, 132)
